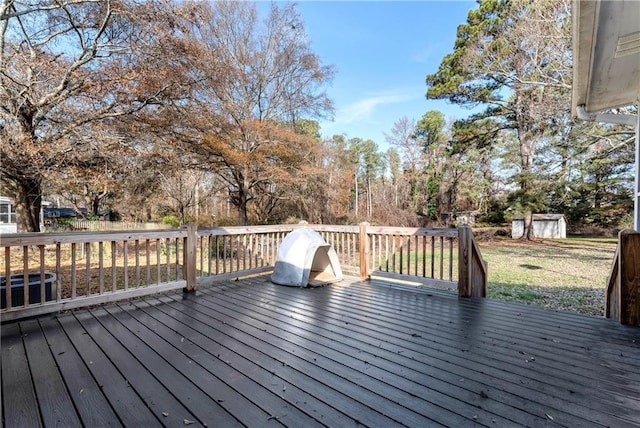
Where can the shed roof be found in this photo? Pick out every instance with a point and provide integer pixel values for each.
(541, 217)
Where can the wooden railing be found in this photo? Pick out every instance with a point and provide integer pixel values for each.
(623, 288)
(80, 268)
(443, 258)
(426, 255)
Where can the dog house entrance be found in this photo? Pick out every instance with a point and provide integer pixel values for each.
(305, 259)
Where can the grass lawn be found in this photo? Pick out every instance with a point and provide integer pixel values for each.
(568, 274)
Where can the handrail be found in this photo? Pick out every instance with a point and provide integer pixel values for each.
(623, 285)
(611, 307)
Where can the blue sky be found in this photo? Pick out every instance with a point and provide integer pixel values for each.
(382, 51)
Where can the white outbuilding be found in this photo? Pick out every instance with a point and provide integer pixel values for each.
(544, 226)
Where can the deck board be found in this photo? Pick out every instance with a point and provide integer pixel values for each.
(330, 347)
(93, 407)
(187, 379)
(207, 356)
(260, 367)
(408, 333)
(125, 401)
(339, 392)
(19, 405)
(49, 386)
(170, 397)
(251, 353)
(415, 373)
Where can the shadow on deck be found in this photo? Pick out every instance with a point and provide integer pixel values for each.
(355, 353)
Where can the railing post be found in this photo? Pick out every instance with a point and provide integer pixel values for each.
(629, 277)
(190, 246)
(464, 260)
(364, 251)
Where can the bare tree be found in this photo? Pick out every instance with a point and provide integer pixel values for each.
(258, 80)
(187, 190)
(402, 138)
(70, 71)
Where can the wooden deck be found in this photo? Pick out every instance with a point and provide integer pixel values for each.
(251, 353)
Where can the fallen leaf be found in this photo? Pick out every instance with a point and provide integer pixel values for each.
(188, 422)
(549, 416)
(165, 414)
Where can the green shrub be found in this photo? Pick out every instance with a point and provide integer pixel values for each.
(171, 220)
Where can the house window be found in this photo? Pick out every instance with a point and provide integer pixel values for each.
(7, 213)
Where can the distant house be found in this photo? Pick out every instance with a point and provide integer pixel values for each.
(53, 215)
(544, 226)
(60, 213)
(7, 215)
(8, 219)
(104, 215)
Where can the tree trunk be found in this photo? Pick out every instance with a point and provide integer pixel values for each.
(395, 187)
(95, 204)
(369, 198)
(242, 202)
(528, 227)
(197, 202)
(597, 192)
(28, 201)
(181, 211)
(356, 189)
(528, 144)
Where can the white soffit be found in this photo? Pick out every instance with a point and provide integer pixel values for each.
(606, 46)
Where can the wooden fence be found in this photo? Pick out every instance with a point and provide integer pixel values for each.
(100, 225)
(75, 269)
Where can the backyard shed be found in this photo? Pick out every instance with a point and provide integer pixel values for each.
(304, 258)
(544, 226)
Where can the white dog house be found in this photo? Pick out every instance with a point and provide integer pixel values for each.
(305, 259)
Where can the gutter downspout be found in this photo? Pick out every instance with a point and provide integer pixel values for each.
(617, 119)
(634, 122)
